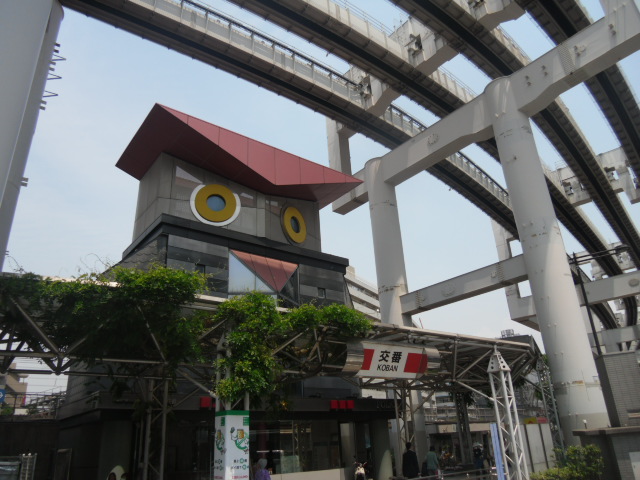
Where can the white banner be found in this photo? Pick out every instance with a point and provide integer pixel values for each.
(231, 446)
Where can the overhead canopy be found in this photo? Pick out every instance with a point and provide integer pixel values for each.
(231, 155)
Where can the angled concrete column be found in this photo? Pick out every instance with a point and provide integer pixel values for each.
(28, 31)
(338, 145)
(387, 244)
(573, 370)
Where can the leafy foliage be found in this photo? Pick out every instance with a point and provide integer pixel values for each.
(257, 328)
(135, 314)
(348, 322)
(576, 463)
(125, 313)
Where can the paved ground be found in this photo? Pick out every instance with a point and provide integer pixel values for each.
(457, 476)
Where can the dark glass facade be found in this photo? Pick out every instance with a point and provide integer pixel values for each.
(316, 277)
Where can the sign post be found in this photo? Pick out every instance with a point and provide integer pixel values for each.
(231, 446)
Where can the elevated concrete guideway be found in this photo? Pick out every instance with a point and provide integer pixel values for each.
(504, 111)
(323, 90)
(534, 87)
(561, 19)
(406, 61)
(457, 22)
(273, 66)
(327, 91)
(409, 69)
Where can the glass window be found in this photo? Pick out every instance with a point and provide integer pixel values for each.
(216, 203)
(296, 445)
(217, 279)
(181, 265)
(242, 280)
(289, 294)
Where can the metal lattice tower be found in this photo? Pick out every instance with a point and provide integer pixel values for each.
(549, 401)
(506, 410)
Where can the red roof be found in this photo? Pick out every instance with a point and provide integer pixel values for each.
(231, 155)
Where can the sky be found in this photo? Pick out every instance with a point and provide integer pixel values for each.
(77, 213)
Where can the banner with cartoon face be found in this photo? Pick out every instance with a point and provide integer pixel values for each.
(231, 446)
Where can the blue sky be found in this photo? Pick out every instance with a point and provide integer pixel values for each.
(77, 212)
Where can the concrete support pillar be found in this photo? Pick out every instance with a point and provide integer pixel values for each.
(392, 277)
(563, 331)
(387, 245)
(348, 444)
(28, 32)
(382, 464)
(338, 147)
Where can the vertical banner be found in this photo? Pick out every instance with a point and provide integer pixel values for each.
(231, 446)
(497, 451)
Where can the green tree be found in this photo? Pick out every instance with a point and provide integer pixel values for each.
(123, 313)
(576, 463)
(257, 329)
(130, 314)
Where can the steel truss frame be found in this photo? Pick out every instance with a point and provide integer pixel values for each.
(462, 366)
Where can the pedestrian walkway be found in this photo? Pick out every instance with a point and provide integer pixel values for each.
(456, 475)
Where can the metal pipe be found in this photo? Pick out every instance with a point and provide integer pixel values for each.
(587, 306)
(147, 432)
(163, 435)
(399, 439)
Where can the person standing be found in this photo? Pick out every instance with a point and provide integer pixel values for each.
(430, 465)
(478, 459)
(410, 466)
(262, 473)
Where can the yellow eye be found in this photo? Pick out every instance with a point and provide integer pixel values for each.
(215, 204)
(294, 225)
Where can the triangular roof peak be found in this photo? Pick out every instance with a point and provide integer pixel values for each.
(241, 159)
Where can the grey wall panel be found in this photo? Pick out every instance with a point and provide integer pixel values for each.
(167, 187)
(335, 295)
(309, 291)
